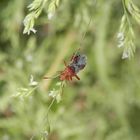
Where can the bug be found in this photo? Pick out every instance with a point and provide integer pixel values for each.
(78, 62)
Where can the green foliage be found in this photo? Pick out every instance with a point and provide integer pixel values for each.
(103, 105)
(35, 9)
(126, 33)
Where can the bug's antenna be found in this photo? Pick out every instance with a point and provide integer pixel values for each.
(86, 30)
(84, 34)
(53, 77)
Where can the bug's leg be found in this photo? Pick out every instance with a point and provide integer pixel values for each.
(72, 57)
(77, 77)
(71, 78)
(65, 63)
(74, 54)
(59, 71)
(68, 78)
(48, 77)
(53, 77)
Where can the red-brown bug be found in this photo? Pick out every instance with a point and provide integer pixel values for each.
(77, 63)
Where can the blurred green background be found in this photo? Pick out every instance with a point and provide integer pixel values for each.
(103, 105)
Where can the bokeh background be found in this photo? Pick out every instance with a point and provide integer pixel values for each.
(103, 105)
